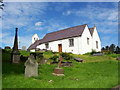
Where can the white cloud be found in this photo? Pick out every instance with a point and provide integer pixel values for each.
(24, 40)
(38, 23)
(67, 13)
(39, 28)
(21, 14)
(97, 13)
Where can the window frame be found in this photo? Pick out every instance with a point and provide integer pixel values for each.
(47, 45)
(88, 41)
(71, 42)
(97, 44)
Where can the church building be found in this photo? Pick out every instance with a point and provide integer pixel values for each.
(77, 40)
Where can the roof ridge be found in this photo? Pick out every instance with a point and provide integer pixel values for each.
(65, 29)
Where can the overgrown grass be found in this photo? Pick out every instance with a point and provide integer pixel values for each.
(94, 72)
(81, 75)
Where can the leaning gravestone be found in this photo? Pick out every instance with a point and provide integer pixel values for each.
(31, 67)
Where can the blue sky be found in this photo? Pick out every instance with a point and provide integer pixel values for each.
(42, 18)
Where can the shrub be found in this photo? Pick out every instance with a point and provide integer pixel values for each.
(89, 53)
(108, 53)
(66, 56)
(54, 58)
(93, 52)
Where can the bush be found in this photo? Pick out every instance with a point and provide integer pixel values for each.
(93, 52)
(89, 53)
(54, 58)
(66, 56)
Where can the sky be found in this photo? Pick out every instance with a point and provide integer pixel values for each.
(45, 17)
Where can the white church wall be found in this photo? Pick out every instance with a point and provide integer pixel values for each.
(84, 47)
(80, 43)
(96, 38)
(65, 45)
(32, 50)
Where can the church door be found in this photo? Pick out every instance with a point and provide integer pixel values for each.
(60, 47)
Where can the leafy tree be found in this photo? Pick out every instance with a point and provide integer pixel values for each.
(1, 4)
(112, 48)
(103, 48)
(107, 48)
(117, 51)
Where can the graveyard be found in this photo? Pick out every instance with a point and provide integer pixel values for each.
(93, 72)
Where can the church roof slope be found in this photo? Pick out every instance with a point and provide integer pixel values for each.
(65, 33)
(61, 34)
(91, 31)
(34, 45)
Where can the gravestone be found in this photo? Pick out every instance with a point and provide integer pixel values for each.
(98, 54)
(31, 67)
(78, 60)
(15, 53)
(59, 71)
(118, 58)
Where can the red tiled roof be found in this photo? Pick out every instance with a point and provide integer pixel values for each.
(61, 34)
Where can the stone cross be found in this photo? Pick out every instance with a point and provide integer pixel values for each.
(59, 64)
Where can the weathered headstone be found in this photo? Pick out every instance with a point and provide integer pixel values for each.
(78, 60)
(98, 54)
(59, 71)
(15, 52)
(118, 58)
(31, 67)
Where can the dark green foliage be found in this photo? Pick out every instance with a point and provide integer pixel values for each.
(117, 51)
(107, 48)
(93, 52)
(66, 56)
(6, 55)
(24, 53)
(23, 58)
(89, 53)
(54, 58)
(112, 48)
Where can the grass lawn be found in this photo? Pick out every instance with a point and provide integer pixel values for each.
(94, 72)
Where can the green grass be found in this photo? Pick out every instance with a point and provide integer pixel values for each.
(90, 75)
(94, 72)
(24, 53)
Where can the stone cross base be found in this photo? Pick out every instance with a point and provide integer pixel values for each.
(58, 71)
(58, 74)
(15, 58)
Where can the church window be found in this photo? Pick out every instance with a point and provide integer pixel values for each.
(71, 42)
(88, 41)
(47, 45)
(96, 44)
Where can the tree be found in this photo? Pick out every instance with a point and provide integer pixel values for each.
(112, 48)
(107, 48)
(117, 51)
(1, 4)
(103, 48)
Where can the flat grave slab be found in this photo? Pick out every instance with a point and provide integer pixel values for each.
(78, 59)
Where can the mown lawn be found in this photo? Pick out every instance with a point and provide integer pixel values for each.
(94, 72)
